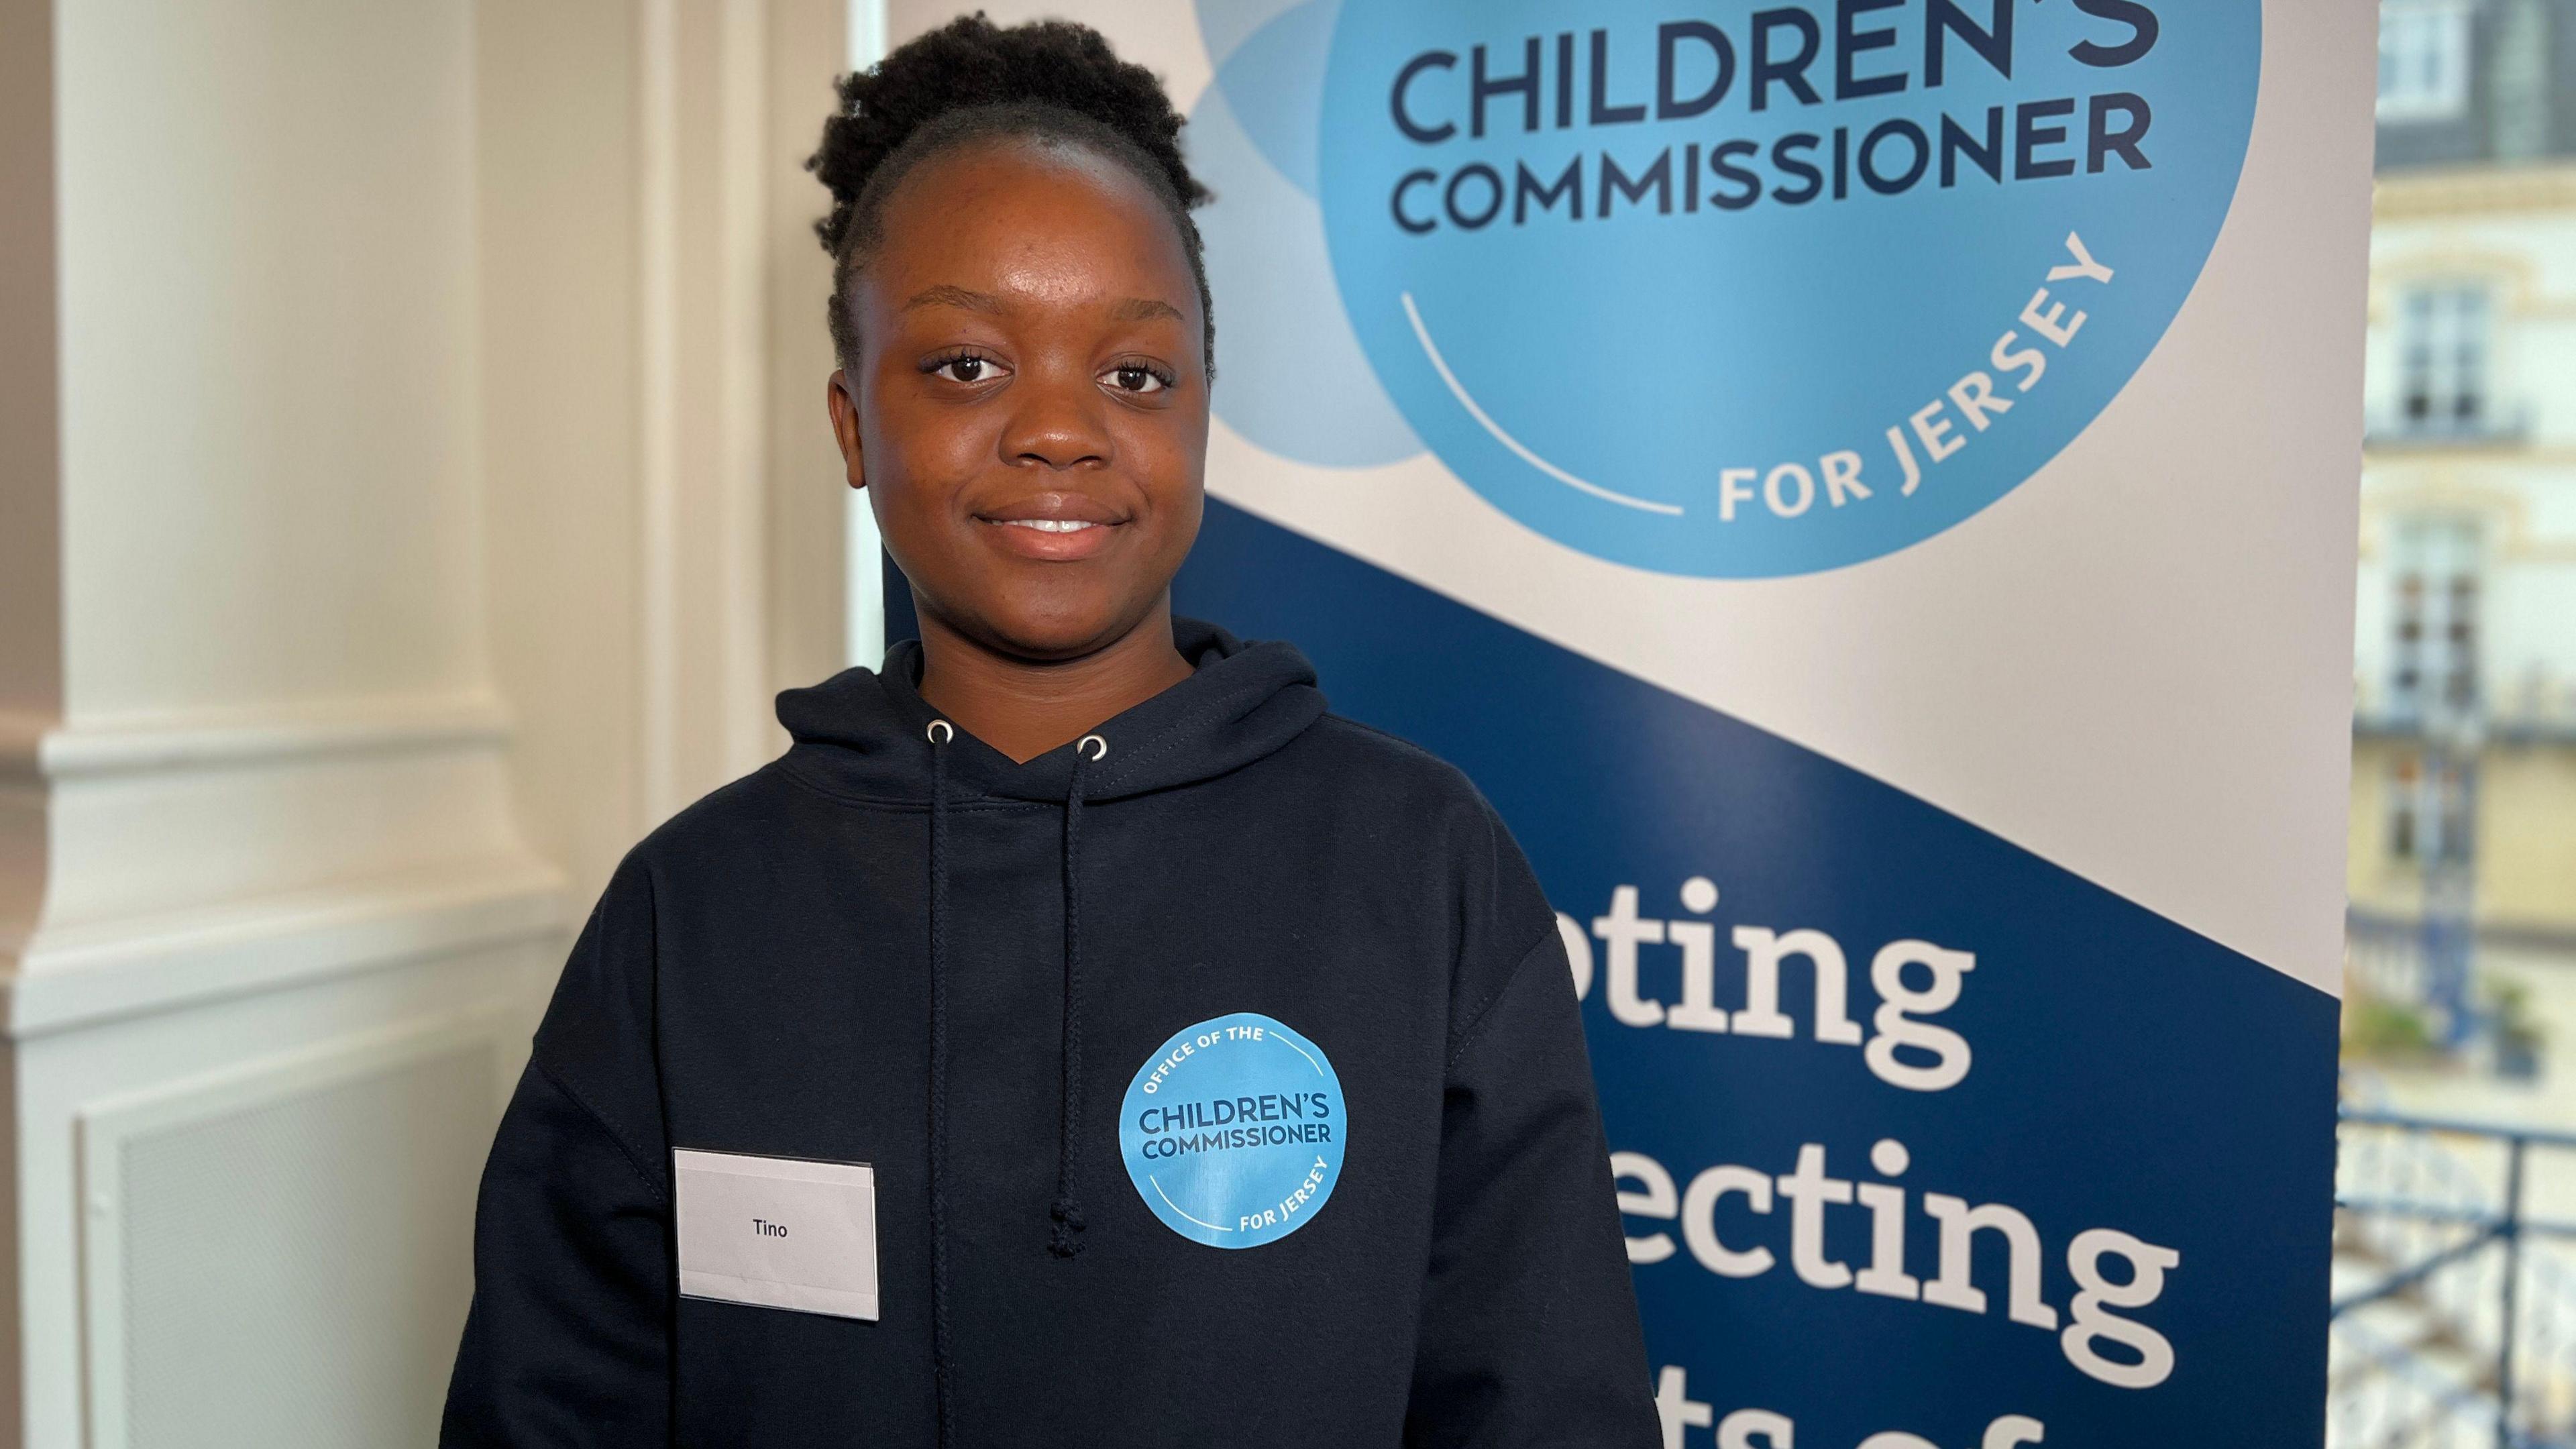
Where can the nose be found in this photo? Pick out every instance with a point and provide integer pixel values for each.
(1060, 422)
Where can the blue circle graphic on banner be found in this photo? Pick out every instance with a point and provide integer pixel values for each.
(1233, 1131)
(1764, 293)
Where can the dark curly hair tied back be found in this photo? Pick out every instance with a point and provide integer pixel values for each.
(971, 80)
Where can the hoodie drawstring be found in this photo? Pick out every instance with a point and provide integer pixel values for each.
(940, 733)
(1067, 1211)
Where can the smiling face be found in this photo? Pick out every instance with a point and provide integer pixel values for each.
(1029, 410)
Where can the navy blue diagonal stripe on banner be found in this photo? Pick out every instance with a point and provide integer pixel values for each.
(2124, 1072)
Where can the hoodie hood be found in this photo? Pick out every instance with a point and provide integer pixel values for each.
(865, 732)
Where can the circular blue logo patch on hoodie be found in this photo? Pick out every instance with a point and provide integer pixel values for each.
(1233, 1131)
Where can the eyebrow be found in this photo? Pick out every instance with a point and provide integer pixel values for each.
(1145, 309)
(947, 296)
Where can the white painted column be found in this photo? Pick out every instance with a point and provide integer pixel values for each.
(273, 935)
(401, 510)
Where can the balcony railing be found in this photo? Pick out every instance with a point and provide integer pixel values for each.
(2491, 425)
(2405, 722)
(2454, 1308)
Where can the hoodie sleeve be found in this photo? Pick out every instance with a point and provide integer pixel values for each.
(1529, 1320)
(568, 1340)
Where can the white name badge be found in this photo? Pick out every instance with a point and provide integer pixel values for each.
(781, 1232)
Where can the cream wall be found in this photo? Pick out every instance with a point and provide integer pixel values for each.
(558, 236)
(662, 495)
(414, 489)
(2527, 838)
(268, 273)
(2513, 231)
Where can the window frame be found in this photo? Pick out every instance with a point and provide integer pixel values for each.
(2425, 60)
(2448, 356)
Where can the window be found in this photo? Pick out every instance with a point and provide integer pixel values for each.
(2423, 60)
(2433, 658)
(2445, 341)
(2428, 811)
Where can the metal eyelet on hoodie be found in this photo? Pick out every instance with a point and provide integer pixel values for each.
(1083, 748)
(940, 732)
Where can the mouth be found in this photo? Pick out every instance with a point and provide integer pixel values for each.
(1053, 527)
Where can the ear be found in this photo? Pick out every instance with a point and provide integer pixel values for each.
(840, 396)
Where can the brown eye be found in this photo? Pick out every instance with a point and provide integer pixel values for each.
(964, 369)
(1135, 377)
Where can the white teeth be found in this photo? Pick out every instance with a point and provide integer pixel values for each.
(1051, 525)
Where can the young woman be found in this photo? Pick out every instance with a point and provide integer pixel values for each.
(1079, 1037)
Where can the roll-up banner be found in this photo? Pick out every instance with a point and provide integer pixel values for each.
(1867, 489)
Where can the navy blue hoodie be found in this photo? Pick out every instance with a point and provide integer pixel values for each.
(1219, 1076)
